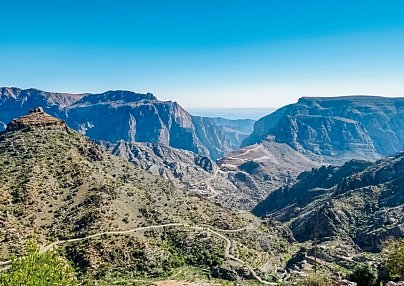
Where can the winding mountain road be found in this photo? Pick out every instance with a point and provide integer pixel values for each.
(237, 156)
(227, 255)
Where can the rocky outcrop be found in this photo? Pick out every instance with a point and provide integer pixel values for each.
(337, 129)
(36, 118)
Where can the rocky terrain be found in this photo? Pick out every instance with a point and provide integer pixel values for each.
(350, 209)
(237, 181)
(311, 133)
(108, 216)
(249, 174)
(129, 116)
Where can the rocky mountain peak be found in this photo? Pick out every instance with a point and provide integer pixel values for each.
(9, 92)
(116, 96)
(36, 118)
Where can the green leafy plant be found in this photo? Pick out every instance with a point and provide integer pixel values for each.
(394, 258)
(364, 275)
(39, 269)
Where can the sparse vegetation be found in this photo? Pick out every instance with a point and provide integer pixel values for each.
(74, 189)
(36, 269)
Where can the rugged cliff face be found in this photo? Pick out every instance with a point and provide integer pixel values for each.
(123, 115)
(15, 102)
(221, 135)
(338, 129)
(184, 168)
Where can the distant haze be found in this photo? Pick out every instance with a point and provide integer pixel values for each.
(232, 113)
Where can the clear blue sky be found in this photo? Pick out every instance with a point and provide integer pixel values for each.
(206, 53)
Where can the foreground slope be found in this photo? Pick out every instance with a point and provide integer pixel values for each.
(109, 216)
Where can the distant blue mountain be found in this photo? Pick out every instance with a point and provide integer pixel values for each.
(232, 113)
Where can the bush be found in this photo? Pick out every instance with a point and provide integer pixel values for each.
(38, 269)
(316, 279)
(364, 275)
(394, 258)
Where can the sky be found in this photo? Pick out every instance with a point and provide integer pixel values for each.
(206, 53)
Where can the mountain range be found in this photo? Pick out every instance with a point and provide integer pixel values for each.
(336, 128)
(124, 183)
(313, 132)
(129, 116)
(164, 138)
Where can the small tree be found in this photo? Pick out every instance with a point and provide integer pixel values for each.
(394, 258)
(39, 269)
(364, 275)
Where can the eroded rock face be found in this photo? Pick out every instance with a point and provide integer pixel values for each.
(16, 102)
(339, 129)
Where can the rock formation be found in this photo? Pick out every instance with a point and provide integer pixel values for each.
(360, 200)
(337, 128)
(36, 118)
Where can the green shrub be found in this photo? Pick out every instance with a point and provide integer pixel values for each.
(364, 275)
(316, 279)
(394, 258)
(36, 269)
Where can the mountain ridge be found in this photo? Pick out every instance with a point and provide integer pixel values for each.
(125, 115)
(347, 126)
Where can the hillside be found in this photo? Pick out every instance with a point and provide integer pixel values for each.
(357, 206)
(109, 216)
(133, 117)
(233, 181)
